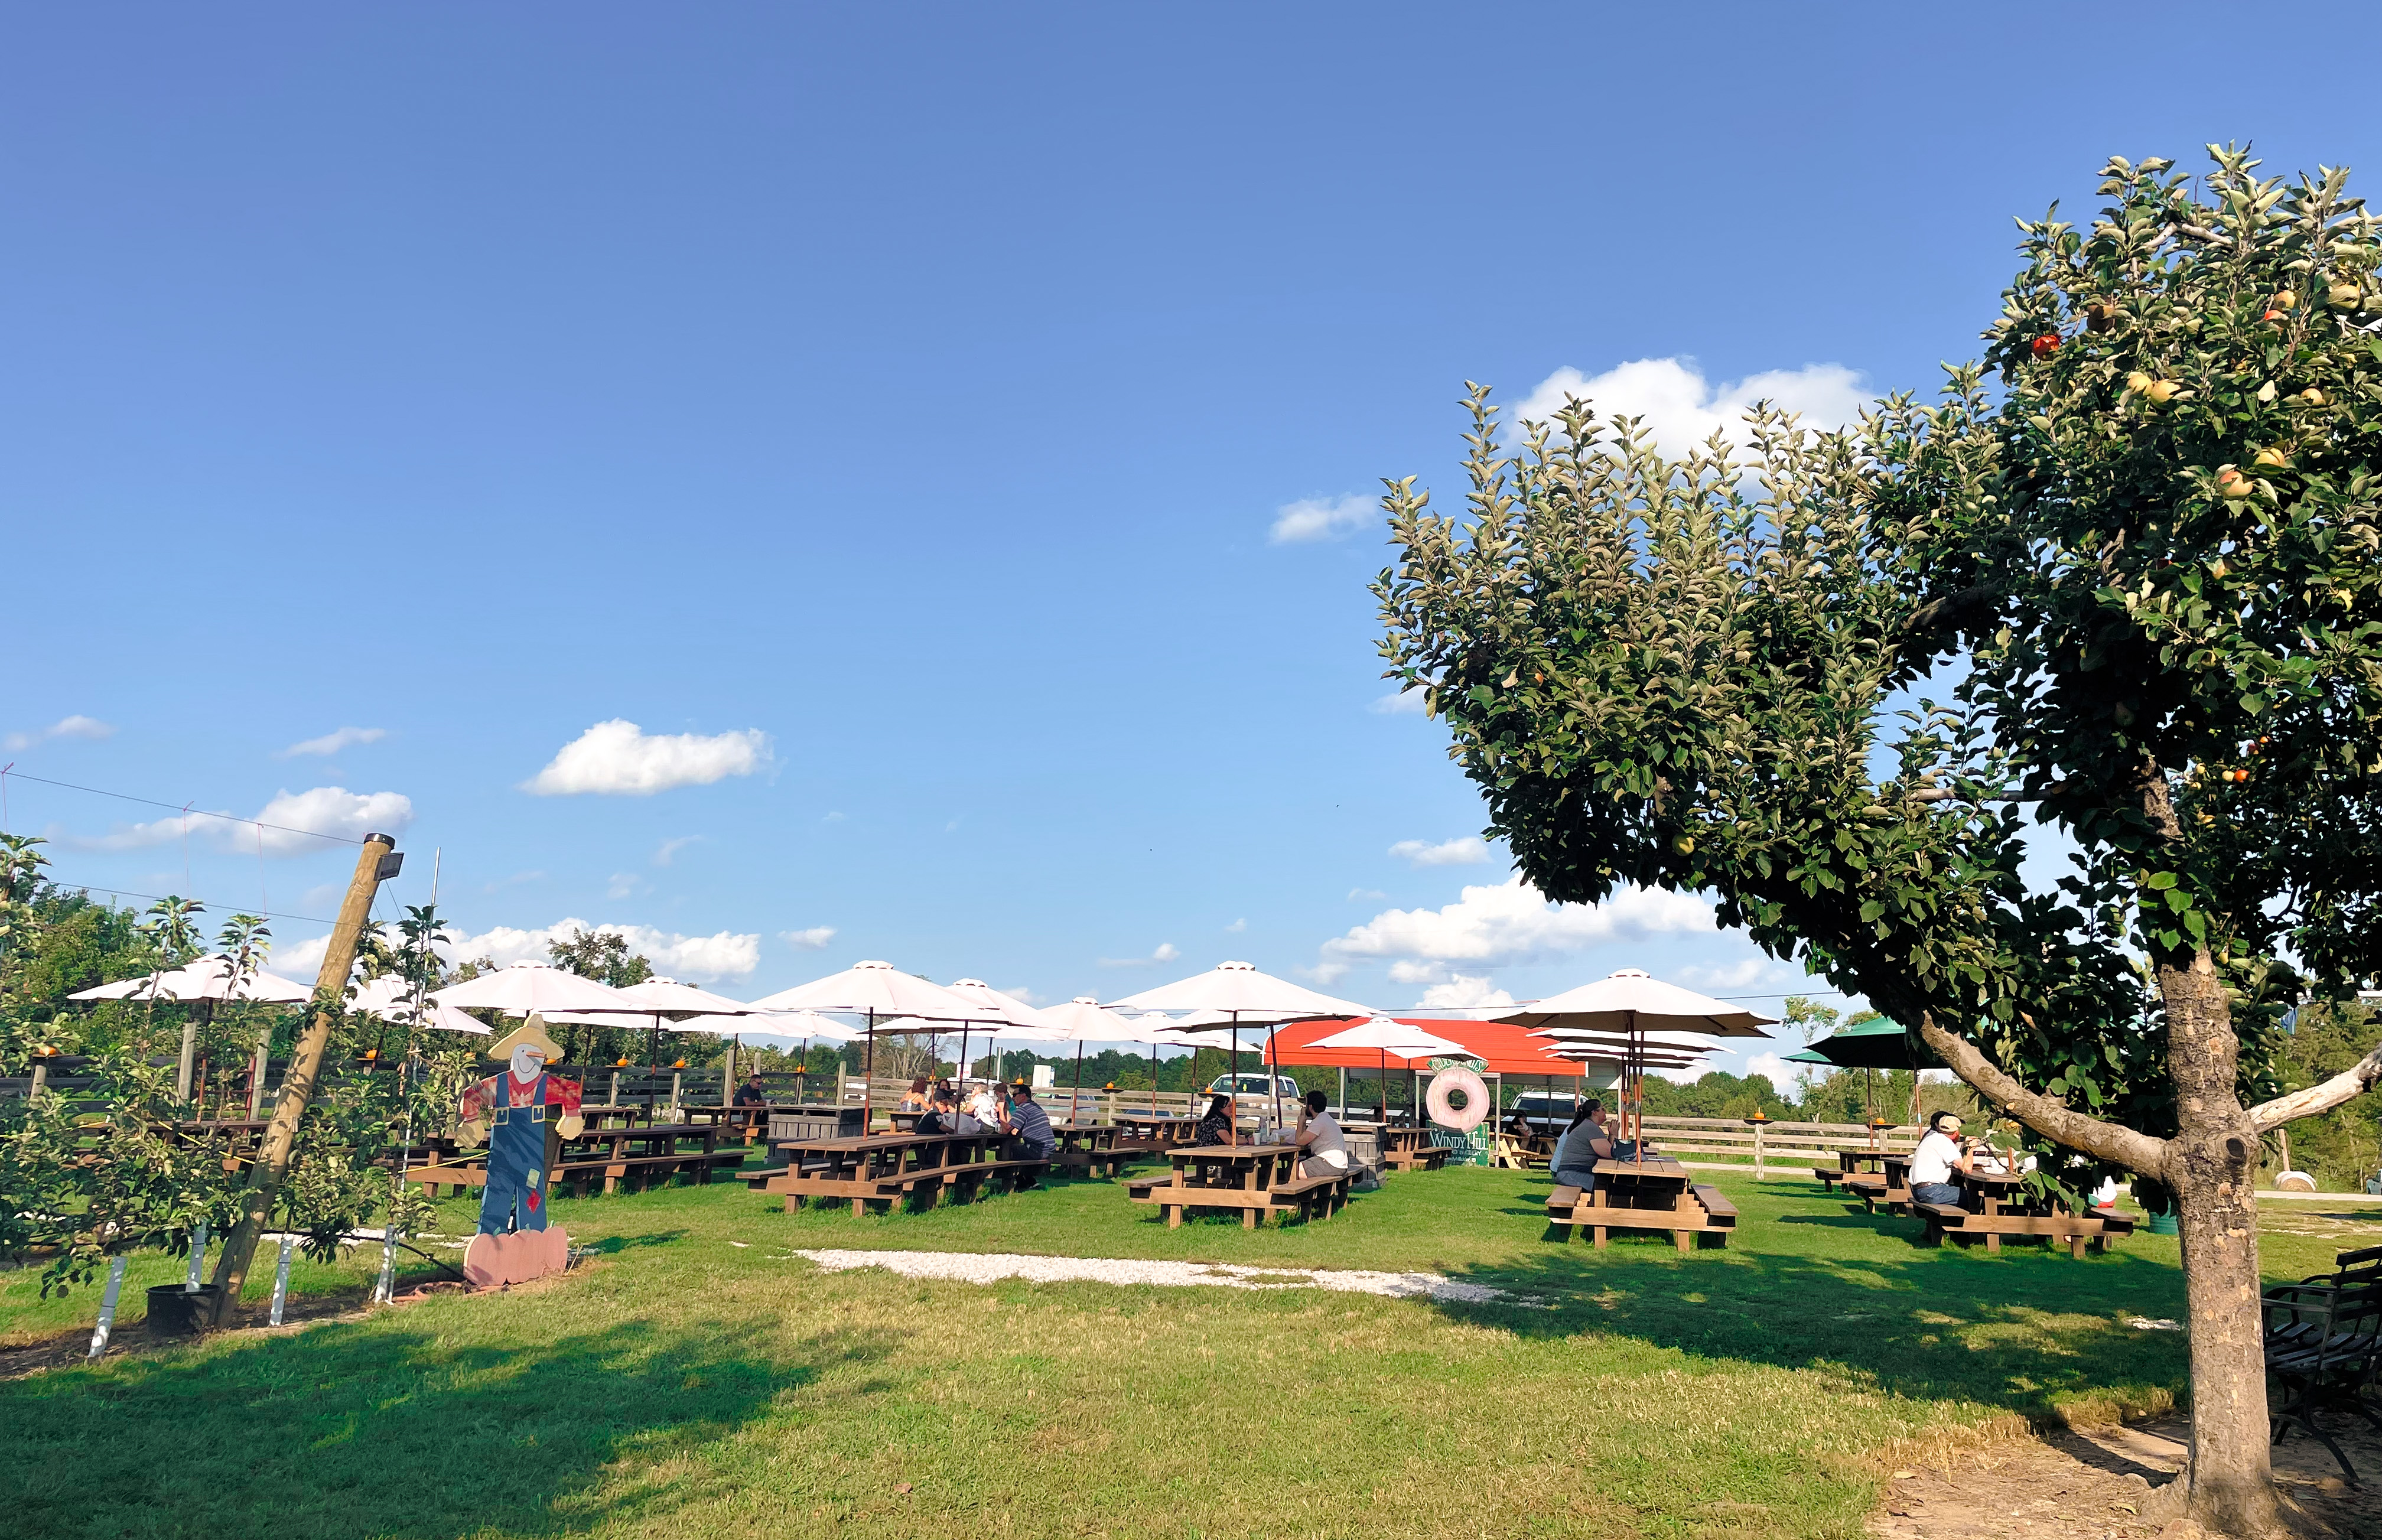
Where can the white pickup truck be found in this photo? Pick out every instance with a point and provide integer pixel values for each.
(1249, 1093)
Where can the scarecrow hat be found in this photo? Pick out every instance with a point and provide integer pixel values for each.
(531, 1033)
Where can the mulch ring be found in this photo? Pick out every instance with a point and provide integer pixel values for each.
(2110, 1484)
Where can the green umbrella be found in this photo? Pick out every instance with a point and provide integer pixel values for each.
(1876, 1043)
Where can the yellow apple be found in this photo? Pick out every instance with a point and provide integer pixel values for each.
(2232, 484)
(2139, 383)
(2161, 391)
(2286, 299)
(2271, 457)
(2342, 296)
(2312, 396)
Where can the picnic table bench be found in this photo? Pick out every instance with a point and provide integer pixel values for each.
(2001, 1212)
(1850, 1163)
(2324, 1348)
(1156, 1130)
(1095, 1149)
(1409, 1150)
(894, 1168)
(1653, 1195)
(1258, 1179)
(1890, 1187)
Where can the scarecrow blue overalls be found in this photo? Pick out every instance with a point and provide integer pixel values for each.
(515, 1197)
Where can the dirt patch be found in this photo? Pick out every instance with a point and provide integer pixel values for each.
(2106, 1484)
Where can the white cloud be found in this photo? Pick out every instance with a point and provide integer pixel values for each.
(1322, 518)
(1681, 407)
(1236, 927)
(1405, 702)
(332, 743)
(1166, 952)
(1464, 989)
(1734, 976)
(298, 960)
(1512, 922)
(812, 940)
(325, 810)
(89, 728)
(617, 758)
(620, 886)
(671, 847)
(723, 956)
(1772, 1067)
(1467, 851)
(1027, 995)
(291, 819)
(1354, 892)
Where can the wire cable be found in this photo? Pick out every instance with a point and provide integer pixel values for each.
(181, 810)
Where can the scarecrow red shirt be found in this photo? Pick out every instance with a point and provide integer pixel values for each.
(501, 1089)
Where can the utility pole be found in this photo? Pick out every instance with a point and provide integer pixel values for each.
(378, 862)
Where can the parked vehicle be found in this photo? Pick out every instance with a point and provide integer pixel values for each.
(1547, 1111)
(1249, 1093)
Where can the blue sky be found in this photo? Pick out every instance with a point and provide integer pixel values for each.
(895, 412)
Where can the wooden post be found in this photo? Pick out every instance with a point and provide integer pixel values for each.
(1757, 1172)
(728, 1076)
(306, 1068)
(257, 1068)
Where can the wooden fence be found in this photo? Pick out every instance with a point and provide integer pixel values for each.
(1761, 1146)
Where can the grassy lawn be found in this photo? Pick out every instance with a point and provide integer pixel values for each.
(700, 1378)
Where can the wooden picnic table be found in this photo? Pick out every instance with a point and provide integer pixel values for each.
(2002, 1210)
(1656, 1193)
(1159, 1128)
(1095, 1149)
(1410, 1150)
(890, 1167)
(1258, 1179)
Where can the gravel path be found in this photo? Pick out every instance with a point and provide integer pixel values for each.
(983, 1267)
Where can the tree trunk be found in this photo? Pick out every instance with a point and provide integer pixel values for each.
(2211, 1165)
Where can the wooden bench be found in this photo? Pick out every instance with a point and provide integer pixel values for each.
(2323, 1348)
(2096, 1229)
(1423, 1157)
(1300, 1195)
(923, 1186)
(1309, 1195)
(1700, 1214)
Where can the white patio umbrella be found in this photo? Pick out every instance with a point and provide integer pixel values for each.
(878, 991)
(206, 978)
(391, 999)
(999, 1010)
(1083, 1020)
(1388, 1035)
(1631, 1003)
(537, 987)
(1242, 996)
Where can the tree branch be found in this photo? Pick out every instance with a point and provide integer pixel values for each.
(2324, 1097)
(1956, 609)
(2137, 1152)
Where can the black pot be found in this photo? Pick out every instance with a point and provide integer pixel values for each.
(175, 1311)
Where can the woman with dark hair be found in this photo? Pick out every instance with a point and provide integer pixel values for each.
(1582, 1145)
(1216, 1123)
(915, 1098)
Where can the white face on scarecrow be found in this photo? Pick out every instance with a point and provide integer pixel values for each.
(527, 1062)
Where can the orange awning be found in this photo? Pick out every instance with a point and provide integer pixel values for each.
(1501, 1045)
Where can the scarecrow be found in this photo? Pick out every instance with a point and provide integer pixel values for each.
(525, 1114)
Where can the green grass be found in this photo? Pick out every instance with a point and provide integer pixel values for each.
(686, 1384)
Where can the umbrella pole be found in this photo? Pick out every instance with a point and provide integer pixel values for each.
(1075, 1092)
(1381, 1093)
(868, 1079)
(1233, 1080)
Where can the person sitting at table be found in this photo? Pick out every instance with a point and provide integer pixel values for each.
(1320, 1136)
(982, 1104)
(1582, 1145)
(1028, 1126)
(941, 1117)
(914, 1099)
(1932, 1163)
(1216, 1123)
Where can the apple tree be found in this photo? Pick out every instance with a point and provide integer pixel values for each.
(2118, 588)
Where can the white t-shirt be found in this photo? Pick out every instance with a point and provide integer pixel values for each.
(1326, 1141)
(1931, 1162)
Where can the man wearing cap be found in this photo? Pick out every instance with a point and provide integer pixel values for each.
(524, 1114)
